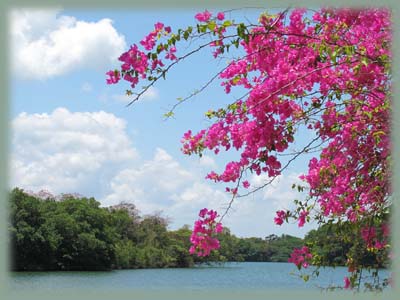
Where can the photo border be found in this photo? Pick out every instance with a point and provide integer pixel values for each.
(7, 5)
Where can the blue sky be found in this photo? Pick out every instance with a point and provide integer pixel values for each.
(73, 133)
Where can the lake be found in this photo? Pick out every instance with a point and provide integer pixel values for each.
(246, 275)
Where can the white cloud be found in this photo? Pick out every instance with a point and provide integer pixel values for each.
(90, 153)
(45, 44)
(65, 151)
(150, 95)
(150, 185)
(279, 192)
(207, 162)
(162, 184)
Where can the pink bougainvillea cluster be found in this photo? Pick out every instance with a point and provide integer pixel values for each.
(326, 71)
(373, 240)
(202, 238)
(301, 257)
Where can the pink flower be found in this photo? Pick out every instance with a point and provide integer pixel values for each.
(203, 212)
(302, 218)
(220, 16)
(171, 53)
(114, 77)
(347, 283)
(203, 17)
(158, 26)
(218, 228)
(149, 41)
(246, 184)
(301, 257)
(280, 217)
(202, 238)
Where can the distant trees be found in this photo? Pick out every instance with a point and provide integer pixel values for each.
(77, 234)
(74, 234)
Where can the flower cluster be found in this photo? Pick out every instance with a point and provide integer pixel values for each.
(280, 217)
(372, 239)
(347, 282)
(301, 257)
(114, 77)
(149, 41)
(204, 229)
(329, 73)
(356, 132)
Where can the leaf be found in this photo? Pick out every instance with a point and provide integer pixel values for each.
(235, 80)
(211, 25)
(169, 114)
(364, 61)
(159, 48)
(227, 23)
(186, 35)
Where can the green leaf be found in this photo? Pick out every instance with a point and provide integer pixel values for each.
(211, 25)
(159, 48)
(209, 114)
(236, 79)
(227, 23)
(169, 114)
(186, 35)
(364, 61)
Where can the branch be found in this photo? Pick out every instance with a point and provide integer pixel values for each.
(282, 169)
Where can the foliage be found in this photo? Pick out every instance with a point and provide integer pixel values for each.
(77, 234)
(326, 71)
(73, 234)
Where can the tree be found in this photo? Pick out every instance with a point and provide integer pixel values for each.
(325, 71)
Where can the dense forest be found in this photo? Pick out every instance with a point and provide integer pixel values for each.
(75, 233)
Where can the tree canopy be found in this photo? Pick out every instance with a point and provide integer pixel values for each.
(75, 233)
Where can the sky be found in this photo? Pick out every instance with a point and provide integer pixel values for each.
(73, 133)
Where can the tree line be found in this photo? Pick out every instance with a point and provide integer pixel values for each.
(75, 233)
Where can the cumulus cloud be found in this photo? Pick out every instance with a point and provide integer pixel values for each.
(45, 44)
(67, 152)
(91, 153)
(163, 184)
(207, 162)
(279, 192)
(150, 185)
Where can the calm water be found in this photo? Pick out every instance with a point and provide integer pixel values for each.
(229, 276)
